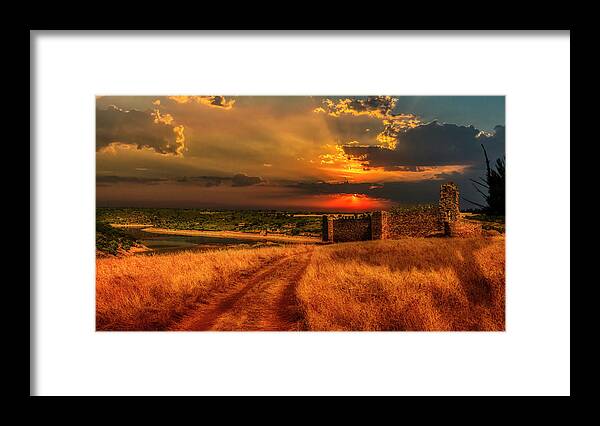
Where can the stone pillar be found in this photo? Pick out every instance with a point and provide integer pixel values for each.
(379, 225)
(450, 229)
(330, 228)
(325, 228)
(449, 207)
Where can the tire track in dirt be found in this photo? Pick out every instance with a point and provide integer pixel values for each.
(264, 300)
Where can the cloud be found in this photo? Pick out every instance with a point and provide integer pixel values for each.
(432, 144)
(141, 129)
(244, 180)
(205, 181)
(284, 132)
(321, 187)
(380, 107)
(376, 106)
(111, 180)
(237, 180)
(211, 101)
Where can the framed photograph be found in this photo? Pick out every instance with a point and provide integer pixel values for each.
(294, 200)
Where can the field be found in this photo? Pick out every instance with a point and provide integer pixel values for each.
(245, 224)
(288, 223)
(153, 292)
(408, 284)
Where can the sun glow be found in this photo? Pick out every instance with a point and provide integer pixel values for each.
(353, 203)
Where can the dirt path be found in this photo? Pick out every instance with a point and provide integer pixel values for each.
(262, 300)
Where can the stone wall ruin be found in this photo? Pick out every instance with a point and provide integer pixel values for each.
(344, 229)
(418, 221)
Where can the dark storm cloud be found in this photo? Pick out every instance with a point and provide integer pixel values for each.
(317, 188)
(239, 179)
(140, 129)
(111, 180)
(203, 181)
(244, 180)
(432, 144)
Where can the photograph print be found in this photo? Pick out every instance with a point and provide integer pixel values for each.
(300, 213)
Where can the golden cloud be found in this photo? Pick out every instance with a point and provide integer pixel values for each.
(338, 164)
(211, 101)
(379, 107)
(117, 128)
(162, 118)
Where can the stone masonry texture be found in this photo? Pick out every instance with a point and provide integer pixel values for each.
(418, 221)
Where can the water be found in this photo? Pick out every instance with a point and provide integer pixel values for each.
(161, 243)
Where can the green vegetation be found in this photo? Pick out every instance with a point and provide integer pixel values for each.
(412, 208)
(203, 220)
(109, 239)
(488, 218)
(495, 222)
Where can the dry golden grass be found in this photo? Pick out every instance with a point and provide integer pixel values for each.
(409, 284)
(420, 284)
(151, 292)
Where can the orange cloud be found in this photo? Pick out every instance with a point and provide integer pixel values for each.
(179, 139)
(211, 101)
(338, 162)
(379, 107)
(162, 118)
(116, 128)
(337, 165)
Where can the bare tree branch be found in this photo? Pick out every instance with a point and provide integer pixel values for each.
(487, 161)
(479, 183)
(473, 202)
(481, 192)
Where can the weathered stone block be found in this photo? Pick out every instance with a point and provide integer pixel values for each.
(379, 225)
(449, 202)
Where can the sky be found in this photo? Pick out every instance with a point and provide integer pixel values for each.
(297, 153)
